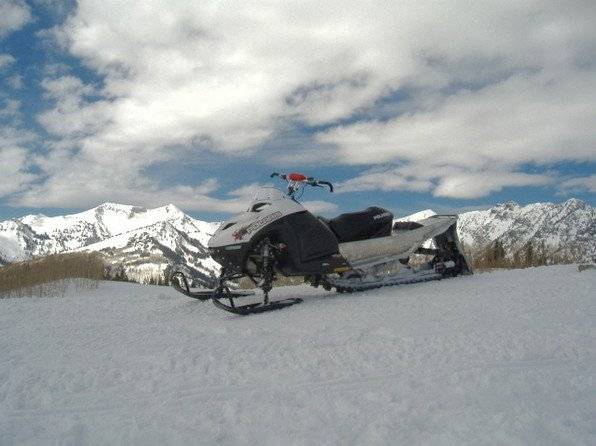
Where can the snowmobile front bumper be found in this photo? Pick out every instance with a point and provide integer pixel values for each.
(180, 284)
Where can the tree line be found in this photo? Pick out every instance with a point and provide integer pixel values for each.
(495, 255)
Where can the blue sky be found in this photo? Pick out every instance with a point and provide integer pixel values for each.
(452, 107)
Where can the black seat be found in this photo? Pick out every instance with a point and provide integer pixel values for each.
(370, 223)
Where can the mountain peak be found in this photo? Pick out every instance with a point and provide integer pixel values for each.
(575, 203)
(110, 206)
(508, 205)
(171, 208)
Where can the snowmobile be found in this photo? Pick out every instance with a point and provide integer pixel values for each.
(277, 236)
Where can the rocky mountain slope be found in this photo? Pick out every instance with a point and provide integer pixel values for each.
(566, 230)
(145, 241)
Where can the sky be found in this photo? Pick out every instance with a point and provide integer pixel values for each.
(449, 105)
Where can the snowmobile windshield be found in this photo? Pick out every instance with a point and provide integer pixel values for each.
(269, 194)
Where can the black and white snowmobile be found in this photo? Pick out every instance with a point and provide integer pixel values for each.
(276, 235)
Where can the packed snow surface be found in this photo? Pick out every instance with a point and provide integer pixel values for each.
(507, 357)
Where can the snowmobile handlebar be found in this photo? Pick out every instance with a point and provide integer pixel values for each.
(300, 178)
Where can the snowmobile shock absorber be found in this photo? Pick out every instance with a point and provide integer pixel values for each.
(267, 271)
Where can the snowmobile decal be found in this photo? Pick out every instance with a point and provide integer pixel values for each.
(383, 215)
(253, 227)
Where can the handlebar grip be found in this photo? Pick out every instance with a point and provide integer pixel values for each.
(274, 174)
(327, 183)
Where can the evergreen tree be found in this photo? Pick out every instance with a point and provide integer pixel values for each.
(529, 254)
(517, 260)
(498, 254)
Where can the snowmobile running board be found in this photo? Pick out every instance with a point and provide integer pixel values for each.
(348, 286)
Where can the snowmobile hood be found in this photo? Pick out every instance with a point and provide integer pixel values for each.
(268, 206)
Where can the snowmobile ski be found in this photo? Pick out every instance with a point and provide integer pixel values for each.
(257, 307)
(222, 293)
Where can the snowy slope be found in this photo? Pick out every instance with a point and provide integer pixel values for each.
(500, 358)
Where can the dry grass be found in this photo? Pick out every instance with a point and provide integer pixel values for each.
(49, 275)
(495, 256)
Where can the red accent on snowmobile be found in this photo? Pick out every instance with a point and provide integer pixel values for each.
(296, 177)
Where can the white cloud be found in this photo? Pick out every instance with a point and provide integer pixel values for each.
(443, 181)
(482, 183)
(15, 82)
(14, 154)
(70, 190)
(73, 114)
(6, 60)
(535, 118)
(579, 184)
(14, 14)
(14, 164)
(477, 87)
(248, 191)
(530, 119)
(320, 207)
(387, 179)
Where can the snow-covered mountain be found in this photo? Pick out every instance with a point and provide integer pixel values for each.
(143, 241)
(567, 230)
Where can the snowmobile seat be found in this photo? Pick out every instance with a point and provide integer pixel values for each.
(370, 223)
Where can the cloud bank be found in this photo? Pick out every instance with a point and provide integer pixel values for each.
(453, 98)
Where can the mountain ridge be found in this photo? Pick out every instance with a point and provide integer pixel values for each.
(147, 241)
(144, 242)
(566, 230)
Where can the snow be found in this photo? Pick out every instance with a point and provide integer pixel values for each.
(417, 216)
(507, 357)
(113, 218)
(10, 250)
